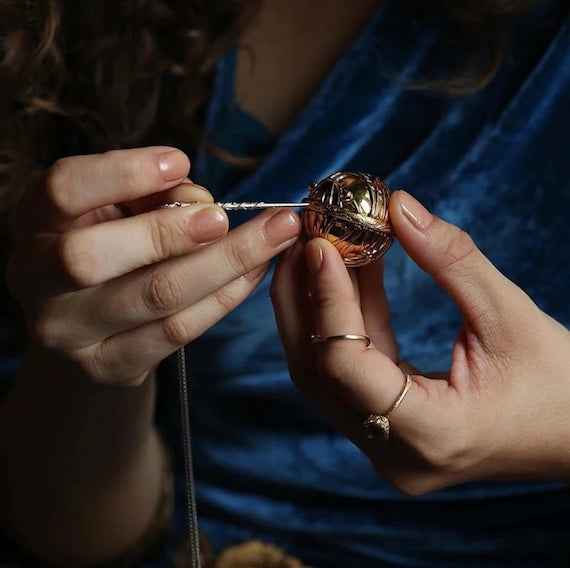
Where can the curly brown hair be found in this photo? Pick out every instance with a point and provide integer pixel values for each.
(82, 77)
(90, 76)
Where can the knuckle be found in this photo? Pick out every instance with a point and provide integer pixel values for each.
(162, 294)
(57, 183)
(49, 327)
(161, 240)
(225, 299)
(176, 331)
(170, 238)
(133, 170)
(109, 367)
(239, 256)
(336, 366)
(444, 454)
(100, 368)
(77, 264)
(43, 330)
(459, 248)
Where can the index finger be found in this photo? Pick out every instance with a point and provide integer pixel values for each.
(488, 300)
(77, 185)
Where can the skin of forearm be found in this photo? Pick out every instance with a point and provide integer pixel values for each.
(80, 463)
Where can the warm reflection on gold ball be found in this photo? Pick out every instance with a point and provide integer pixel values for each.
(351, 211)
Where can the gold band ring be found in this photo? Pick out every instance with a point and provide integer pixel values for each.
(377, 426)
(315, 338)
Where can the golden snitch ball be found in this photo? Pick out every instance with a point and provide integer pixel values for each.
(350, 210)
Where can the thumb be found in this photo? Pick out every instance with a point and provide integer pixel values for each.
(486, 298)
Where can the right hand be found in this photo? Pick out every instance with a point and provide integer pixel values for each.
(113, 284)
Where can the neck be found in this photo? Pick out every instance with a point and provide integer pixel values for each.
(291, 47)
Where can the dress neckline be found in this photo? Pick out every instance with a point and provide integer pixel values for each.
(327, 95)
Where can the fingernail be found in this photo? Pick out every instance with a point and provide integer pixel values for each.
(209, 224)
(414, 211)
(314, 257)
(173, 165)
(282, 227)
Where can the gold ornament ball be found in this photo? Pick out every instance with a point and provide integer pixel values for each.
(350, 210)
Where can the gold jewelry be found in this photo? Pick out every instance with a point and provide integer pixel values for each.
(377, 426)
(350, 210)
(316, 338)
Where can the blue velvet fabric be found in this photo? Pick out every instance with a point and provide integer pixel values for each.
(495, 163)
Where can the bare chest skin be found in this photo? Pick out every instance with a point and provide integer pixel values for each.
(287, 51)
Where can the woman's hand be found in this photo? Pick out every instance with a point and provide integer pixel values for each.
(110, 285)
(502, 410)
(115, 284)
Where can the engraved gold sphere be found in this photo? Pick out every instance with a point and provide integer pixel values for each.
(350, 210)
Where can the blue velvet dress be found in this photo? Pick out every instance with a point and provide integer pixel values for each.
(497, 164)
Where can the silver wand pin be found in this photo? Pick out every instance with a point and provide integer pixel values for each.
(246, 205)
(238, 205)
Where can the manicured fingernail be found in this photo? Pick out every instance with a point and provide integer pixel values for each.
(173, 165)
(209, 224)
(414, 211)
(282, 227)
(314, 257)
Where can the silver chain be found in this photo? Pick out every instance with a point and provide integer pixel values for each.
(193, 535)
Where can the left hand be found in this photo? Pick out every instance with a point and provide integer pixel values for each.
(502, 410)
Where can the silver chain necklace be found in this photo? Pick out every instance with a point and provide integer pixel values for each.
(193, 535)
